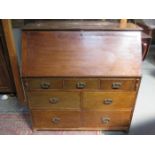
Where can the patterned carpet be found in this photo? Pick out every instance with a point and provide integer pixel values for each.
(20, 124)
(15, 120)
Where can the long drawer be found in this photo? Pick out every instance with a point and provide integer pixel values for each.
(108, 100)
(106, 119)
(54, 100)
(47, 119)
(55, 119)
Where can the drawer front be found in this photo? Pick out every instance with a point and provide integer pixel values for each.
(54, 100)
(43, 83)
(55, 119)
(119, 84)
(108, 100)
(81, 84)
(106, 119)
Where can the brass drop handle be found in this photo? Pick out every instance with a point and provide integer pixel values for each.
(45, 85)
(105, 120)
(116, 85)
(56, 120)
(107, 101)
(81, 85)
(54, 100)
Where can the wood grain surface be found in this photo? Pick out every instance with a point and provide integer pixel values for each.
(97, 100)
(64, 100)
(96, 119)
(86, 54)
(81, 25)
(9, 38)
(67, 119)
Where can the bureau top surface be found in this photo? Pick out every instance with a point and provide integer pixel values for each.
(80, 25)
(81, 54)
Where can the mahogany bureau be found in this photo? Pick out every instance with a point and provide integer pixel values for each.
(81, 75)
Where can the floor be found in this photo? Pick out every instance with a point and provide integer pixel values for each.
(143, 122)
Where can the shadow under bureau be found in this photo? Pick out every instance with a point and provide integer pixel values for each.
(81, 75)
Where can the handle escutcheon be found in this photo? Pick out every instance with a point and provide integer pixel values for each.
(54, 100)
(56, 120)
(116, 85)
(105, 120)
(45, 85)
(107, 101)
(81, 85)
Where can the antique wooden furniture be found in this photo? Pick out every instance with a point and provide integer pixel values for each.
(147, 34)
(146, 42)
(6, 78)
(12, 60)
(81, 75)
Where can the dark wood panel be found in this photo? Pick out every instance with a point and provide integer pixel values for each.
(81, 54)
(8, 34)
(80, 25)
(6, 83)
(146, 42)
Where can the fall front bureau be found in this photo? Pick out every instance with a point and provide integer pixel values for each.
(79, 76)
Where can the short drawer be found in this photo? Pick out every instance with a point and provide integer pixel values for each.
(55, 119)
(81, 84)
(117, 84)
(108, 100)
(106, 119)
(43, 83)
(54, 100)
